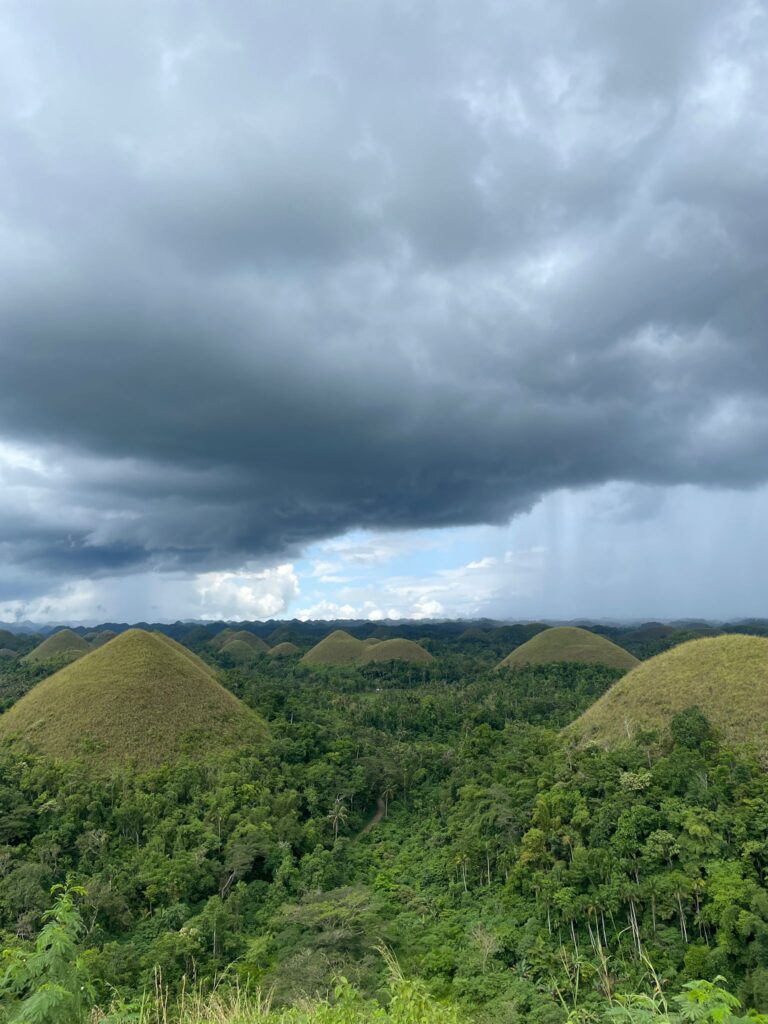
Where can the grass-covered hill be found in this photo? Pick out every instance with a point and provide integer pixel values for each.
(240, 652)
(725, 676)
(474, 633)
(569, 643)
(371, 641)
(339, 648)
(395, 650)
(7, 653)
(284, 650)
(141, 697)
(195, 659)
(221, 638)
(242, 636)
(103, 637)
(61, 646)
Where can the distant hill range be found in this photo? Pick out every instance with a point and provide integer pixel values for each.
(488, 639)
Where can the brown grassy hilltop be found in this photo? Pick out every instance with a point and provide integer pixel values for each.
(140, 698)
(64, 645)
(396, 650)
(242, 636)
(284, 650)
(338, 648)
(725, 676)
(569, 643)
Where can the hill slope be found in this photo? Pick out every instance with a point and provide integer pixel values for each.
(102, 638)
(58, 646)
(338, 648)
(726, 676)
(140, 697)
(244, 637)
(240, 652)
(569, 643)
(222, 637)
(396, 650)
(284, 650)
(189, 655)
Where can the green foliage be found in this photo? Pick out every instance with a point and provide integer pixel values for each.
(700, 1002)
(432, 809)
(691, 728)
(50, 983)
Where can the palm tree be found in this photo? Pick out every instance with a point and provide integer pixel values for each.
(338, 815)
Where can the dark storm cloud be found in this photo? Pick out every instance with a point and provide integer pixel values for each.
(274, 271)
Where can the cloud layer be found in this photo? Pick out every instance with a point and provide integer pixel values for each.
(274, 273)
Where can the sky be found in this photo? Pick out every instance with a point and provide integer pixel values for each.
(400, 308)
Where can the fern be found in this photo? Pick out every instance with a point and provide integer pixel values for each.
(49, 984)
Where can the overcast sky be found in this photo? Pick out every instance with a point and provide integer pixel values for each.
(411, 307)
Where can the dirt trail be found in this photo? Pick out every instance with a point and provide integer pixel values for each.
(381, 810)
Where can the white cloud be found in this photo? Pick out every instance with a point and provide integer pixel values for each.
(375, 548)
(482, 563)
(247, 595)
(460, 591)
(75, 602)
(329, 610)
(323, 568)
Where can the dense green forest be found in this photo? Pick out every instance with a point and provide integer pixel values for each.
(420, 822)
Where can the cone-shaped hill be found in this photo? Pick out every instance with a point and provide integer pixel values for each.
(62, 646)
(339, 648)
(244, 637)
(569, 643)
(7, 638)
(725, 676)
(140, 698)
(99, 639)
(221, 638)
(189, 655)
(284, 650)
(241, 653)
(396, 650)
(7, 654)
(371, 641)
(473, 633)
